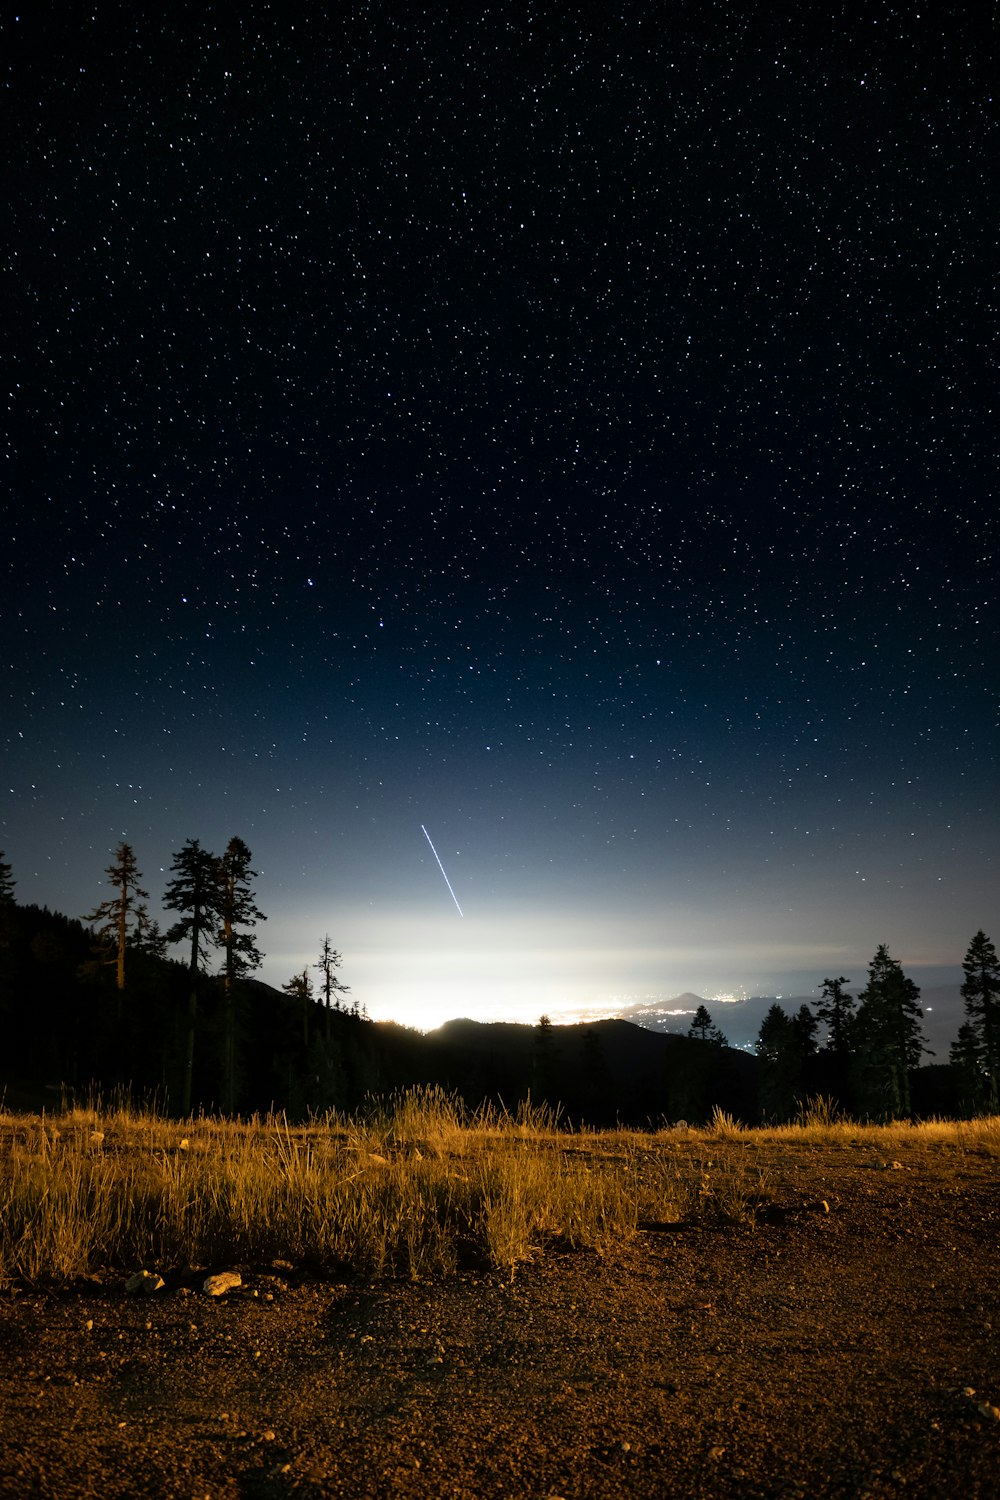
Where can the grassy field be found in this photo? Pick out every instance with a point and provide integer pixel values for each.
(414, 1187)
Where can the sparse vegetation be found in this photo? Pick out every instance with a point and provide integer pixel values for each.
(413, 1186)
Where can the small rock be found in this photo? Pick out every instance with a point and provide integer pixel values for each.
(222, 1282)
(144, 1284)
(183, 1144)
(986, 1410)
(97, 1138)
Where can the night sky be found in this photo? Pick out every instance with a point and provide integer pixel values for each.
(567, 429)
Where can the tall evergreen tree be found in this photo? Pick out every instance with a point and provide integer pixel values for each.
(544, 1084)
(7, 920)
(300, 988)
(329, 963)
(835, 1009)
(195, 893)
(966, 1057)
(804, 1028)
(981, 993)
(784, 1044)
(7, 884)
(122, 911)
(889, 1041)
(238, 915)
(780, 1064)
(704, 1028)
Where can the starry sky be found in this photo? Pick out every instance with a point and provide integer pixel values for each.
(563, 428)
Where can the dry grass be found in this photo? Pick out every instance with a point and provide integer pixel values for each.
(413, 1187)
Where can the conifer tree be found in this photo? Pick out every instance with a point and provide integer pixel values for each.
(301, 989)
(804, 1027)
(329, 963)
(704, 1028)
(981, 994)
(238, 915)
(889, 1041)
(7, 884)
(775, 1046)
(7, 928)
(784, 1045)
(195, 893)
(122, 911)
(966, 1057)
(835, 1009)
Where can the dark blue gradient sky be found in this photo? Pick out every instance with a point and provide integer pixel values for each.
(567, 431)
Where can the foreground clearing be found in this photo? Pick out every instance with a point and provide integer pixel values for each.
(837, 1336)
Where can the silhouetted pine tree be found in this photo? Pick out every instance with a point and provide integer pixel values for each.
(703, 1027)
(7, 884)
(195, 892)
(887, 1041)
(238, 914)
(981, 993)
(966, 1057)
(301, 990)
(121, 912)
(781, 1064)
(544, 1085)
(329, 963)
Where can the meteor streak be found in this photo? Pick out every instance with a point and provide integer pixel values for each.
(437, 856)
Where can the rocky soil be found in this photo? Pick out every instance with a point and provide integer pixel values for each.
(844, 1345)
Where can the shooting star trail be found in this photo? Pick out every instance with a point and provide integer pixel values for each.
(437, 856)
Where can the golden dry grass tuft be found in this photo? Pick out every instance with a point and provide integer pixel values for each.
(413, 1186)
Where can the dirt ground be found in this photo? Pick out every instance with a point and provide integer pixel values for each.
(846, 1345)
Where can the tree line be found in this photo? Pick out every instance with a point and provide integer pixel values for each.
(103, 1004)
(197, 1032)
(863, 1051)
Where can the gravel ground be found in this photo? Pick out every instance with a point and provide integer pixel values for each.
(845, 1345)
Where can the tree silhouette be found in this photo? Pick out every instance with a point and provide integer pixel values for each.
(122, 911)
(965, 1056)
(835, 1009)
(7, 884)
(195, 892)
(237, 911)
(781, 1063)
(543, 1067)
(301, 989)
(804, 1028)
(785, 1045)
(888, 1038)
(703, 1027)
(7, 928)
(329, 963)
(981, 993)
